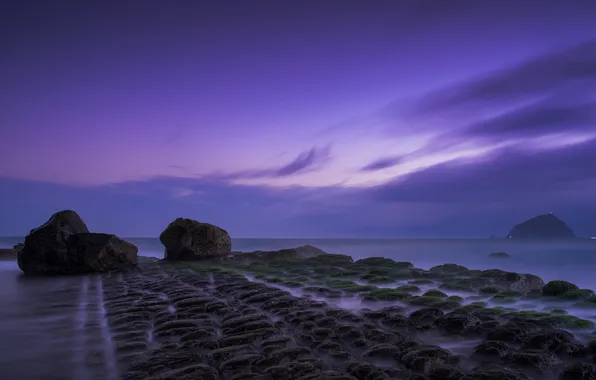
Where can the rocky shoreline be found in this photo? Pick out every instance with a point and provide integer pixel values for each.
(189, 320)
(206, 312)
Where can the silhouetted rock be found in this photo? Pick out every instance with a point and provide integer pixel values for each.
(187, 239)
(545, 226)
(64, 245)
(93, 252)
(499, 255)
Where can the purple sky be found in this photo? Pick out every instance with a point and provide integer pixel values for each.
(299, 118)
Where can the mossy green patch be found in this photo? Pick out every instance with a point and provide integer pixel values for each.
(421, 281)
(435, 293)
(558, 288)
(559, 320)
(330, 259)
(578, 294)
(384, 294)
(346, 273)
(408, 289)
(375, 262)
(448, 269)
(457, 287)
(503, 299)
(468, 308)
(349, 286)
(425, 300)
(489, 290)
(375, 279)
(558, 311)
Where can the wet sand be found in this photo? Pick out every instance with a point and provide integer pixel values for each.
(187, 321)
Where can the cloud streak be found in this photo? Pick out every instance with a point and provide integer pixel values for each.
(311, 160)
(382, 163)
(533, 78)
(511, 174)
(552, 95)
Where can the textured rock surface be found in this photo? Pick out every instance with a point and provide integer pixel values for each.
(545, 226)
(304, 251)
(92, 252)
(187, 239)
(64, 245)
(45, 248)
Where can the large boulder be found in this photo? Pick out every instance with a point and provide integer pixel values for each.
(187, 239)
(45, 249)
(64, 245)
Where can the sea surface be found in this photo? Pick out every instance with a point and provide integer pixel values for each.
(54, 328)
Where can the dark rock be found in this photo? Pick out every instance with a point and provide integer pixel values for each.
(445, 372)
(423, 358)
(93, 252)
(426, 316)
(64, 245)
(558, 288)
(302, 252)
(579, 371)
(499, 255)
(491, 349)
(45, 250)
(538, 360)
(495, 373)
(510, 280)
(187, 239)
(545, 226)
(550, 340)
(512, 332)
(456, 323)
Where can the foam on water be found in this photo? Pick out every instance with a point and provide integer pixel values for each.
(81, 321)
(108, 345)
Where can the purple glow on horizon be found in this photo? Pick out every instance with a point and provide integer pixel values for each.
(312, 109)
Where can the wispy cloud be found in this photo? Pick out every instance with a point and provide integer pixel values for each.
(551, 95)
(534, 78)
(514, 174)
(382, 163)
(313, 159)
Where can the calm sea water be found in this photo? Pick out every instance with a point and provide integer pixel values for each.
(55, 328)
(572, 260)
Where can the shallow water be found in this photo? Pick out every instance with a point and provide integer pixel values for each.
(52, 328)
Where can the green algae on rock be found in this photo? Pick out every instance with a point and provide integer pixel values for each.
(558, 288)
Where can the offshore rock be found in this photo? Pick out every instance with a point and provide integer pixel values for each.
(64, 245)
(546, 226)
(187, 239)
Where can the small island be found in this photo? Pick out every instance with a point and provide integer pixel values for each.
(546, 226)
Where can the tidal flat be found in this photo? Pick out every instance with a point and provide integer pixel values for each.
(328, 317)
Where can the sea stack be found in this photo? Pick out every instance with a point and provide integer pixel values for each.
(546, 226)
(64, 245)
(187, 239)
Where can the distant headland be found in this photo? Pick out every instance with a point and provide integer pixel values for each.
(546, 226)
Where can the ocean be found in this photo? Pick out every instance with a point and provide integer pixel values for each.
(570, 260)
(56, 327)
